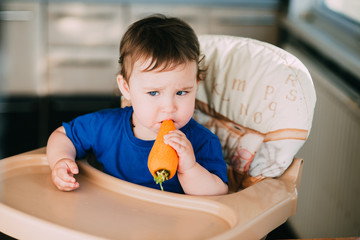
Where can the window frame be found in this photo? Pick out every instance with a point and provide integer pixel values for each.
(335, 37)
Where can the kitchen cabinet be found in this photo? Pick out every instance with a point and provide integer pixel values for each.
(27, 122)
(72, 47)
(259, 22)
(21, 75)
(65, 108)
(59, 59)
(83, 47)
(83, 38)
(22, 56)
(20, 125)
(195, 16)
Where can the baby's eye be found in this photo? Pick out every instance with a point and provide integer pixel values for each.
(180, 93)
(153, 93)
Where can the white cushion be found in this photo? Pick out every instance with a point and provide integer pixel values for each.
(263, 93)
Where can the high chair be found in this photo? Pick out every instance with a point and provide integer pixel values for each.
(256, 97)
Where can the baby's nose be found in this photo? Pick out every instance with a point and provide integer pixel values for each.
(169, 106)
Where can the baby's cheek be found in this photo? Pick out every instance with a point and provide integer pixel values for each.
(146, 113)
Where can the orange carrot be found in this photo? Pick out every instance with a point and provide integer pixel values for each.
(163, 159)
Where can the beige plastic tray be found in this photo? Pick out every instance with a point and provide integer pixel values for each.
(108, 208)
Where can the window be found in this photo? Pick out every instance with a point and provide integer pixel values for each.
(339, 18)
(331, 29)
(347, 8)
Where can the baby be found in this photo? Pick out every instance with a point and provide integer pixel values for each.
(159, 75)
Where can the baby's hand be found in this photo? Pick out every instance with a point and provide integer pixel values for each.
(62, 175)
(183, 147)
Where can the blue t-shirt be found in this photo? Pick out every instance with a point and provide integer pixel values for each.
(108, 135)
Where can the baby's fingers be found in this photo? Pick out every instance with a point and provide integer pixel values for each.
(65, 186)
(178, 141)
(183, 147)
(175, 136)
(62, 175)
(72, 166)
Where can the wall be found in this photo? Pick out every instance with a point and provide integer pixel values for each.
(329, 194)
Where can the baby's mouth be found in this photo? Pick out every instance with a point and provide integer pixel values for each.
(168, 120)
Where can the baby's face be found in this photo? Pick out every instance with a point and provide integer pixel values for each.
(160, 95)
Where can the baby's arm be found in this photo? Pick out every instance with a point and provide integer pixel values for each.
(194, 178)
(61, 156)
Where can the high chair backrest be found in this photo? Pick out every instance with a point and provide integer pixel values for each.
(258, 99)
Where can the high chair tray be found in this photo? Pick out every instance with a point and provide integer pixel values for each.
(108, 208)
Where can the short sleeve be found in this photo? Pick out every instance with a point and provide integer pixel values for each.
(210, 156)
(78, 130)
(207, 149)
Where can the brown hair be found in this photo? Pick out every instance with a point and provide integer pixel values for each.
(167, 42)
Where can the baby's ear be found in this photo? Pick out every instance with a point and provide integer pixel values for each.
(123, 86)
